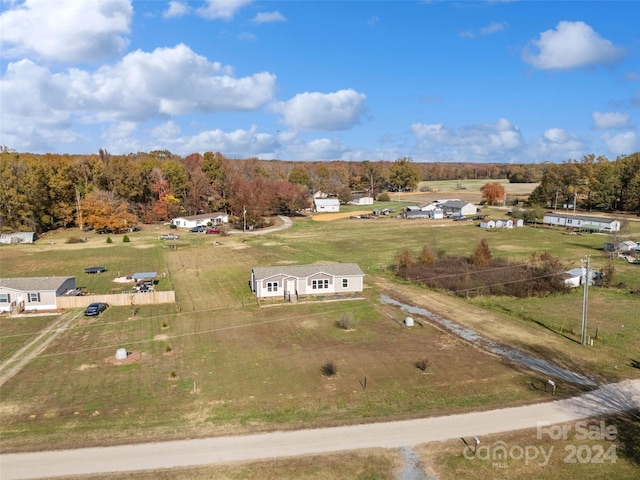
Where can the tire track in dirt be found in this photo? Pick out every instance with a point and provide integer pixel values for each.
(35, 347)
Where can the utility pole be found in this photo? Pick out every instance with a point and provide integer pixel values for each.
(244, 219)
(556, 206)
(575, 199)
(587, 277)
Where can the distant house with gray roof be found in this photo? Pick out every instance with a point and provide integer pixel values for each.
(290, 282)
(34, 293)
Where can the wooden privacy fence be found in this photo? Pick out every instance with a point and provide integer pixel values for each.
(121, 299)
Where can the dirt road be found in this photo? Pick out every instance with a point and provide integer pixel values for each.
(608, 399)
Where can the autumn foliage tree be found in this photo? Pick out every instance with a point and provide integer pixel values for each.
(482, 254)
(492, 192)
(104, 210)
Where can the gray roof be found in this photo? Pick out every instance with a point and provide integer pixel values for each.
(303, 271)
(327, 201)
(584, 218)
(143, 275)
(33, 284)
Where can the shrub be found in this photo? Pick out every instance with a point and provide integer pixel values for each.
(173, 374)
(109, 240)
(384, 197)
(74, 240)
(125, 239)
(173, 226)
(422, 364)
(346, 321)
(329, 369)
(168, 348)
(164, 325)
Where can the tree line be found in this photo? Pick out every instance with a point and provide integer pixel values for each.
(592, 183)
(43, 192)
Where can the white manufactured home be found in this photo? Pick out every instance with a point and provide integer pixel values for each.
(34, 293)
(290, 282)
(204, 219)
(582, 222)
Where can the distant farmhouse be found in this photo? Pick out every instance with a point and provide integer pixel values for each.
(594, 224)
(34, 293)
(290, 282)
(441, 208)
(326, 205)
(204, 219)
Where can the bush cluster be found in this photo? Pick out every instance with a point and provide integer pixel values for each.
(481, 274)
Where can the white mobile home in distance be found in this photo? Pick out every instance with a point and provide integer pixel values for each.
(204, 219)
(290, 282)
(582, 221)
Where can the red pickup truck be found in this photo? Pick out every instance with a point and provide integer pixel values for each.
(212, 230)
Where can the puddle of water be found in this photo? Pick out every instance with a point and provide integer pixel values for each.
(511, 353)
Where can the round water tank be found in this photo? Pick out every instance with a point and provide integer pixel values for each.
(408, 322)
(121, 354)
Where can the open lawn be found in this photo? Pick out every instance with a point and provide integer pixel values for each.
(217, 363)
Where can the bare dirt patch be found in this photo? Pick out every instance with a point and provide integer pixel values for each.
(327, 217)
(132, 357)
(84, 367)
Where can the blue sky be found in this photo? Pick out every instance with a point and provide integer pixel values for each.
(496, 81)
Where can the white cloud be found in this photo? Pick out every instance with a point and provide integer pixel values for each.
(166, 130)
(120, 130)
(622, 143)
(176, 9)
(41, 105)
(556, 142)
(318, 149)
(323, 111)
(238, 143)
(269, 17)
(493, 27)
(603, 121)
(474, 143)
(373, 21)
(221, 9)
(570, 45)
(247, 37)
(66, 30)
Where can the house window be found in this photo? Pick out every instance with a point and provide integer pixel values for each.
(5, 298)
(34, 297)
(345, 283)
(319, 284)
(569, 221)
(272, 286)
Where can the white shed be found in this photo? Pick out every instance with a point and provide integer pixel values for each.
(326, 205)
(487, 224)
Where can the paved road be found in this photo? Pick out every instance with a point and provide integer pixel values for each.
(182, 453)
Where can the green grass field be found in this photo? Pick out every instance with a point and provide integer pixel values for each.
(216, 363)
